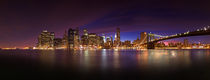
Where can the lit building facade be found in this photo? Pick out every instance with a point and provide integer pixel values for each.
(94, 40)
(104, 38)
(108, 43)
(46, 40)
(84, 38)
(127, 43)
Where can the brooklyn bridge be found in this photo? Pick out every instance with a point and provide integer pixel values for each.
(151, 40)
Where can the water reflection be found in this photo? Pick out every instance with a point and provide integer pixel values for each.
(104, 59)
(87, 60)
(47, 58)
(142, 59)
(163, 59)
(116, 62)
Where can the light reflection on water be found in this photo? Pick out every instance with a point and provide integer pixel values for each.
(117, 59)
(104, 59)
(108, 64)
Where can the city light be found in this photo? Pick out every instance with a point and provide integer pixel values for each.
(92, 41)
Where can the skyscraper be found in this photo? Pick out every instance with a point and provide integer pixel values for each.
(117, 38)
(65, 40)
(104, 38)
(107, 45)
(46, 40)
(118, 34)
(101, 41)
(111, 41)
(73, 38)
(84, 38)
(92, 39)
(76, 38)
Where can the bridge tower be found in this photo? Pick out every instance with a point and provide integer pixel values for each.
(150, 44)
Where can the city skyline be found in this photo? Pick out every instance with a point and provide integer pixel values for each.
(105, 39)
(77, 40)
(21, 22)
(125, 37)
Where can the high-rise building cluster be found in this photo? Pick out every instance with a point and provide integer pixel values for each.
(46, 40)
(72, 40)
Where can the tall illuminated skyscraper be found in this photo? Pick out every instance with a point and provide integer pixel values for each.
(115, 36)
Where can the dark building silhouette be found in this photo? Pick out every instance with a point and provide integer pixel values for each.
(65, 40)
(112, 41)
(117, 41)
(73, 38)
(58, 43)
(118, 34)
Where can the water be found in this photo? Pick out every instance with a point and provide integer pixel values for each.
(105, 64)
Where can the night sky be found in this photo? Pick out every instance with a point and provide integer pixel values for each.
(22, 21)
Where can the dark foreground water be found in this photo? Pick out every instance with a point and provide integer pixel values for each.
(105, 64)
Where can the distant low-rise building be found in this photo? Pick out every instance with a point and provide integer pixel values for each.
(58, 43)
(127, 43)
